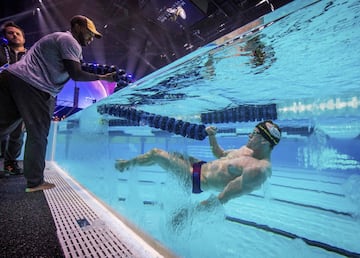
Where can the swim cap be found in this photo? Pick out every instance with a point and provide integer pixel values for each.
(270, 132)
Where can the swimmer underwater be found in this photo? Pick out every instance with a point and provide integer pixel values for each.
(234, 173)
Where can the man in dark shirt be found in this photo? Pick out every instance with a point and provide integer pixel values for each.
(11, 50)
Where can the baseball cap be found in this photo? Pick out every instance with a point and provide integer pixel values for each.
(83, 20)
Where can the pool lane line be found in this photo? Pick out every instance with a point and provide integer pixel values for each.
(309, 190)
(348, 214)
(165, 123)
(315, 207)
(287, 234)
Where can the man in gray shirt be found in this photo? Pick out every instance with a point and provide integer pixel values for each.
(28, 89)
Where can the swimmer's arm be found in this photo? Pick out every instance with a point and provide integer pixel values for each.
(215, 147)
(232, 190)
(250, 179)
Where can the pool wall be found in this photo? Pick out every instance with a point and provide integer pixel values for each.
(309, 86)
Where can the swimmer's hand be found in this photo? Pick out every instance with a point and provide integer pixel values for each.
(209, 203)
(183, 215)
(211, 130)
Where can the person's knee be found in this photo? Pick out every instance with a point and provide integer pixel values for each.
(156, 151)
(157, 154)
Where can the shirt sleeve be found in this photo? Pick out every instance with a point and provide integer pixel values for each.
(70, 49)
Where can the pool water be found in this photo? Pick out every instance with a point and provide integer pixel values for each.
(298, 66)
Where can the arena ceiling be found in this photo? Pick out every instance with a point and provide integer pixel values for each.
(140, 36)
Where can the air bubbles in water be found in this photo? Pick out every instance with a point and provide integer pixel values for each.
(351, 187)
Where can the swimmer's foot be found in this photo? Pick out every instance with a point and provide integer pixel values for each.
(122, 164)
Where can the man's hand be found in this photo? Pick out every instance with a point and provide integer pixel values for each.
(209, 203)
(211, 130)
(216, 149)
(110, 77)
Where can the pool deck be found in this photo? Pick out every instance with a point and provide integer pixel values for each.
(65, 222)
(27, 228)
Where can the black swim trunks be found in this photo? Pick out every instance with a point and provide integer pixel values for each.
(196, 176)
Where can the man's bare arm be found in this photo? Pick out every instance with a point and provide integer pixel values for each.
(215, 147)
(232, 190)
(252, 178)
(77, 74)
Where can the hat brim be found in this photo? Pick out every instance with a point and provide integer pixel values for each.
(97, 34)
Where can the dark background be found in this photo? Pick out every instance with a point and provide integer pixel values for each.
(139, 35)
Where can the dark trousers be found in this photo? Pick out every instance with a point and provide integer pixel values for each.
(21, 101)
(12, 144)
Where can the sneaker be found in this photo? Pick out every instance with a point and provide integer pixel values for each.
(43, 186)
(11, 167)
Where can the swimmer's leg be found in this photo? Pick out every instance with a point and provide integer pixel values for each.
(166, 160)
(146, 159)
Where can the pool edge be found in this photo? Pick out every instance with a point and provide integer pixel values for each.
(96, 216)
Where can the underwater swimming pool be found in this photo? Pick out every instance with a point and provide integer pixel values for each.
(297, 66)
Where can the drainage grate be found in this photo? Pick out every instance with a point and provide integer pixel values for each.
(83, 222)
(80, 230)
